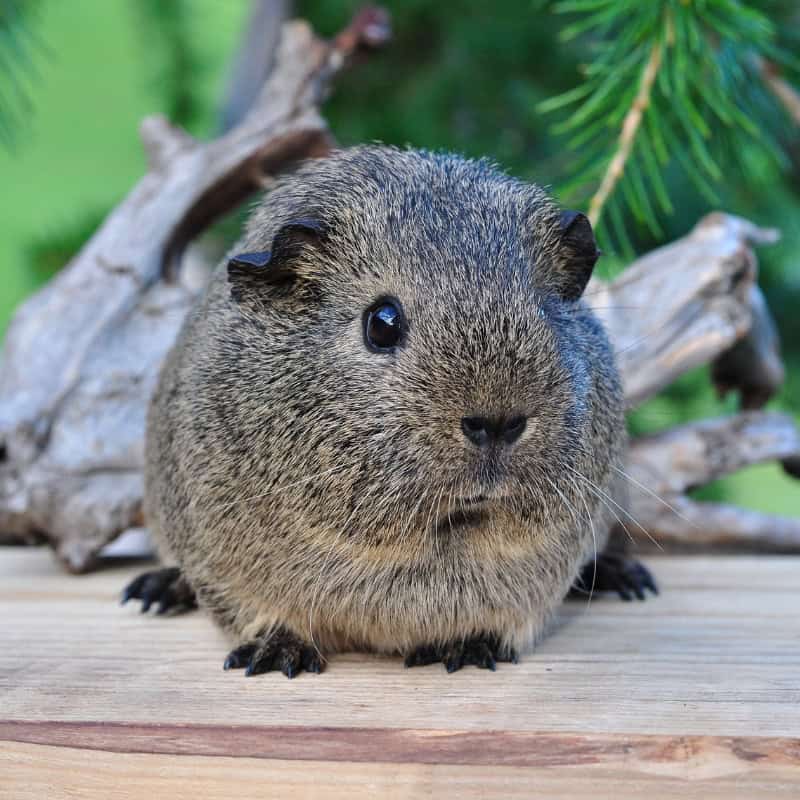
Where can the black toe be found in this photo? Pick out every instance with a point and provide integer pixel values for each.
(166, 588)
(278, 651)
(484, 652)
(239, 657)
(612, 572)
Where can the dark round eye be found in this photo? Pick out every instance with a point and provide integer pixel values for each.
(383, 325)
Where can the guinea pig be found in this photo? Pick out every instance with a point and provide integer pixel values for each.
(391, 424)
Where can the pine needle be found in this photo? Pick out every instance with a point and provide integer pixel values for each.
(630, 127)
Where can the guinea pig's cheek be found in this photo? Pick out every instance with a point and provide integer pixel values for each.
(351, 357)
(530, 433)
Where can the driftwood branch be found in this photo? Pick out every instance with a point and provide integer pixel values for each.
(663, 468)
(81, 356)
(254, 59)
(689, 303)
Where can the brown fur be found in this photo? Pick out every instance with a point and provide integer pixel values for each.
(301, 480)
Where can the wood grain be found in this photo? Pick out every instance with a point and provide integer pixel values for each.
(31, 773)
(693, 694)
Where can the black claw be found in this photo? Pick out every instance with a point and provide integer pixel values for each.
(167, 601)
(279, 651)
(312, 660)
(612, 572)
(454, 658)
(483, 651)
(164, 606)
(166, 588)
(239, 657)
(422, 656)
(134, 588)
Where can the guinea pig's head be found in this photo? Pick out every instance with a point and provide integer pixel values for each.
(417, 333)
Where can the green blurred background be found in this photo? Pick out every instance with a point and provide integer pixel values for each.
(462, 75)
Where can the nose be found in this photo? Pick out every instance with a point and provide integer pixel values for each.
(483, 431)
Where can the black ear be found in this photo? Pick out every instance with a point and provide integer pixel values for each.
(279, 267)
(580, 253)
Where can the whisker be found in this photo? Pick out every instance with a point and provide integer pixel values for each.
(595, 488)
(594, 545)
(654, 495)
(436, 542)
(622, 279)
(576, 514)
(428, 518)
(450, 500)
(275, 491)
(640, 340)
(616, 516)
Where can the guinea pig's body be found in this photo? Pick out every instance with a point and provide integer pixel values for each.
(391, 424)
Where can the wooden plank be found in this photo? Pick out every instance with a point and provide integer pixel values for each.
(696, 688)
(32, 772)
(692, 661)
(399, 746)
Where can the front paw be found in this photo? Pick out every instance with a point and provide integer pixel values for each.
(167, 587)
(278, 650)
(483, 651)
(613, 572)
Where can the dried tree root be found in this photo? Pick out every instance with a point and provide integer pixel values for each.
(722, 527)
(663, 468)
(82, 355)
(688, 303)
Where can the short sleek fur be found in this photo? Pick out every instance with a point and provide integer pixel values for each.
(320, 496)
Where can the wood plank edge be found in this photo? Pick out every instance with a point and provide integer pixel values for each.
(399, 745)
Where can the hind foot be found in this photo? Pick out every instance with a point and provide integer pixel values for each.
(481, 651)
(616, 573)
(167, 587)
(279, 650)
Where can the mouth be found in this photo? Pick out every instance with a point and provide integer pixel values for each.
(467, 512)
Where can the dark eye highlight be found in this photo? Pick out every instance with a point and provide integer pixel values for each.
(384, 326)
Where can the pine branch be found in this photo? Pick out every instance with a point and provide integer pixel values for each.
(788, 96)
(670, 88)
(630, 127)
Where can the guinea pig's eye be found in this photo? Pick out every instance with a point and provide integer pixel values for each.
(383, 325)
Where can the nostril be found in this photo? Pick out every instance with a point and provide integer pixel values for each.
(513, 429)
(475, 429)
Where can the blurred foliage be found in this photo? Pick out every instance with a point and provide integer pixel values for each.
(704, 61)
(48, 253)
(466, 76)
(20, 50)
(174, 56)
(77, 148)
